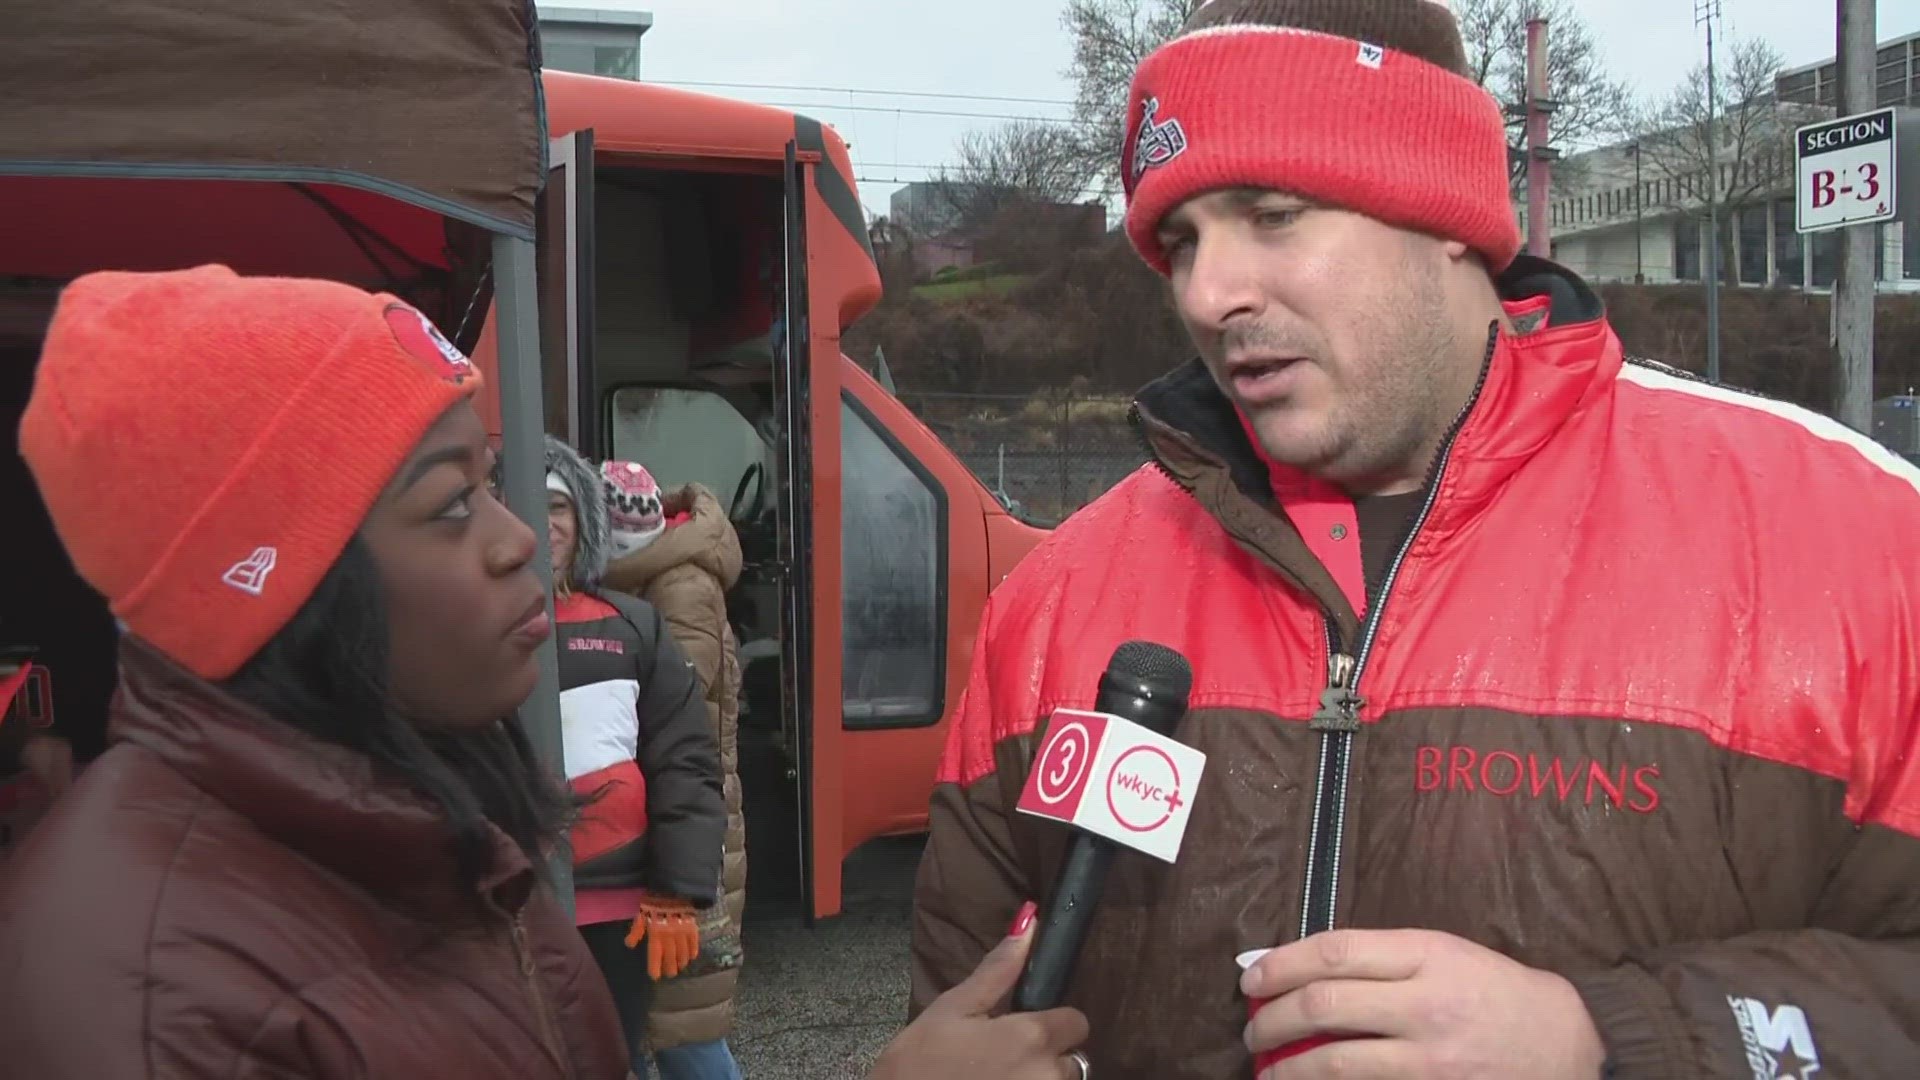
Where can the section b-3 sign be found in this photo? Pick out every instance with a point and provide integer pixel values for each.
(1845, 172)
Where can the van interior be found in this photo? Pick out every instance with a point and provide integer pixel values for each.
(689, 272)
(688, 304)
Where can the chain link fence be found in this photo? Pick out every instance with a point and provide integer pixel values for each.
(1047, 454)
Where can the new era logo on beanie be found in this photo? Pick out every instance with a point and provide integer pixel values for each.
(249, 575)
(1360, 104)
(267, 415)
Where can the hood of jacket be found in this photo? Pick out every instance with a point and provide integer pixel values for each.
(706, 540)
(593, 539)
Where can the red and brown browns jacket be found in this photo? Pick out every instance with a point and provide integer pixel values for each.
(1635, 701)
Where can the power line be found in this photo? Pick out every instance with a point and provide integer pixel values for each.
(822, 105)
(873, 93)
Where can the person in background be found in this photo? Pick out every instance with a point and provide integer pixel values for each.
(639, 747)
(313, 769)
(680, 554)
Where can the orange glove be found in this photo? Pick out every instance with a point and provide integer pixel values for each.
(673, 935)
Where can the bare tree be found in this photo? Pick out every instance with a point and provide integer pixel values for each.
(1590, 101)
(1112, 37)
(1753, 144)
(1022, 163)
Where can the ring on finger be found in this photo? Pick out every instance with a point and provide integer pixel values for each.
(1086, 1067)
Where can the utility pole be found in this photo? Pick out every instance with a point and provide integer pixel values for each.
(1639, 234)
(1853, 288)
(1706, 11)
(1540, 156)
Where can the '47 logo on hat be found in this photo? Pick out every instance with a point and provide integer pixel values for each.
(1158, 141)
(423, 341)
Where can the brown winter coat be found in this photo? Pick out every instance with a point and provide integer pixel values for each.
(221, 896)
(685, 574)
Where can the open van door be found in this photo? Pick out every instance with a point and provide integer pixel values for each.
(564, 254)
(793, 456)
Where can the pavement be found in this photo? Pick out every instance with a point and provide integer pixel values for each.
(821, 1003)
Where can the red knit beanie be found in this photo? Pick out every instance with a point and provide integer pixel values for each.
(207, 443)
(1360, 104)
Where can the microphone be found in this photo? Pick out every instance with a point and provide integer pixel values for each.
(1144, 684)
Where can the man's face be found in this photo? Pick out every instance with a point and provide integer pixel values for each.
(1328, 329)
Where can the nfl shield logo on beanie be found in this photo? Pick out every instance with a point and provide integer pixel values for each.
(423, 341)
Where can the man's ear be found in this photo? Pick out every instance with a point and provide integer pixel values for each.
(1456, 250)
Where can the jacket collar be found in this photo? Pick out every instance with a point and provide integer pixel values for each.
(324, 801)
(1560, 355)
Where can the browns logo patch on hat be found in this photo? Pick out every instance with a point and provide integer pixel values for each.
(423, 341)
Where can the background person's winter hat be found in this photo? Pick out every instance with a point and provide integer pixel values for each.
(1360, 104)
(634, 508)
(207, 443)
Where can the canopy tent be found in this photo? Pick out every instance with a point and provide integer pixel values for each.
(369, 141)
(434, 102)
(395, 144)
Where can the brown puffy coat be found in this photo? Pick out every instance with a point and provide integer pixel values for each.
(220, 895)
(685, 574)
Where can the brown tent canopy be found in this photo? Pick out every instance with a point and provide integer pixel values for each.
(393, 144)
(375, 142)
(433, 102)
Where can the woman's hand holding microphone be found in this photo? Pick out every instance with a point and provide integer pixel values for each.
(966, 1032)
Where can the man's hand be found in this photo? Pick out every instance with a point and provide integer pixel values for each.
(672, 933)
(1438, 1006)
(963, 1036)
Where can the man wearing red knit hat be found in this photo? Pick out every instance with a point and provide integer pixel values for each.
(1560, 708)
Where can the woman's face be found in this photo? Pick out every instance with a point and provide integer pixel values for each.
(563, 526)
(466, 612)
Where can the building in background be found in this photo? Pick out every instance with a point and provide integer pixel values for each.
(600, 39)
(1637, 210)
(928, 208)
(1896, 77)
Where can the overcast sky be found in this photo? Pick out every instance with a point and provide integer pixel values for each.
(1017, 49)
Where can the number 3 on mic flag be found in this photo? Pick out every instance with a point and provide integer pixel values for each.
(1114, 779)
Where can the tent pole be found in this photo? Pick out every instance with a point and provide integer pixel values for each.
(523, 468)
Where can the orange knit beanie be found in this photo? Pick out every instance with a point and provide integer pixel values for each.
(1366, 106)
(208, 443)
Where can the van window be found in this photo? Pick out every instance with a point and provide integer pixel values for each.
(685, 436)
(893, 555)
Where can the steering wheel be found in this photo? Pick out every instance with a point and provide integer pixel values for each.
(755, 472)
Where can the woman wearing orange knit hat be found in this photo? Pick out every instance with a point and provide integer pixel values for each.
(312, 848)
(314, 845)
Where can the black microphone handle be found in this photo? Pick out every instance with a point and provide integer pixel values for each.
(1146, 684)
(1067, 917)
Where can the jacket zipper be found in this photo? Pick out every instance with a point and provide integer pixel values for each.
(1338, 717)
(549, 1037)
